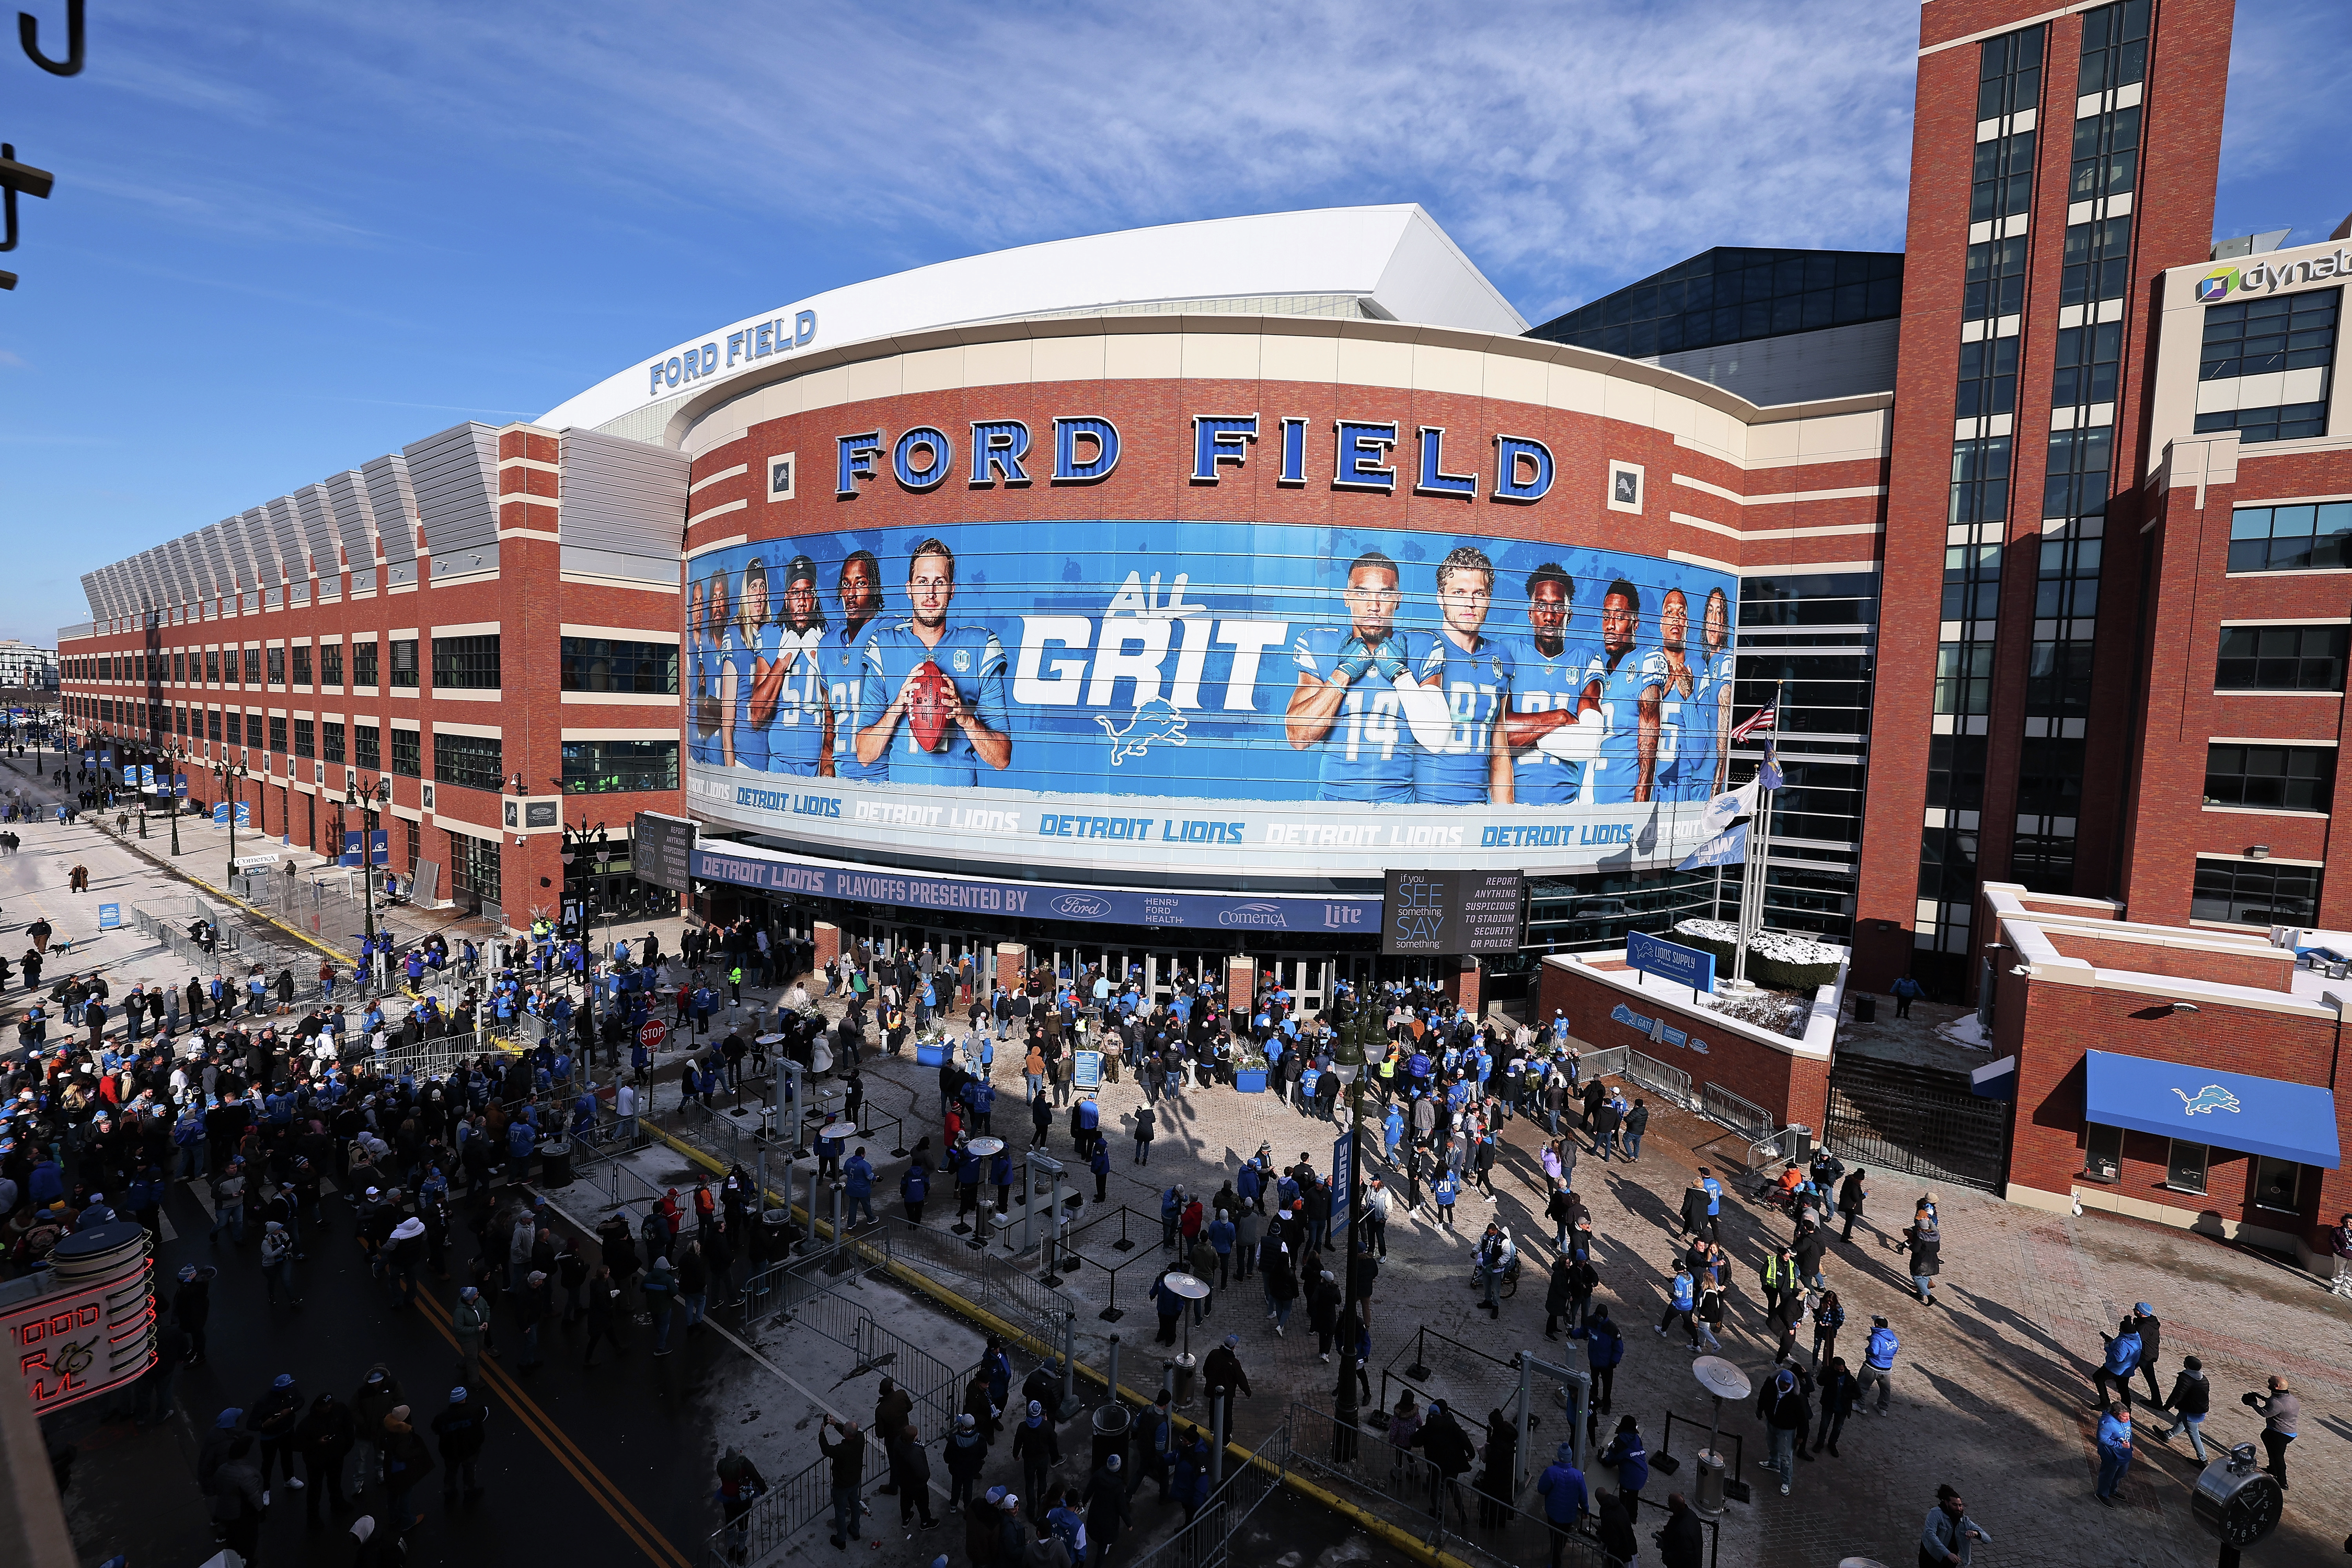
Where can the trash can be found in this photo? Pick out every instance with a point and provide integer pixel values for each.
(1112, 1424)
(555, 1162)
(1865, 1008)
(1801, 1143)
(777, 1233)
(1185, 1367)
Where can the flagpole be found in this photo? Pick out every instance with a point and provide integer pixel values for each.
(1753, 871)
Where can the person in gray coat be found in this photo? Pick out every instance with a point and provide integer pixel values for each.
(1950, 1535)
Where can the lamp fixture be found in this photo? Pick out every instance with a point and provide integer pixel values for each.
(2186, 1007)
(2258, 851)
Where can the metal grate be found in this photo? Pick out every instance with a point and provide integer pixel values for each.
(1917, 1121)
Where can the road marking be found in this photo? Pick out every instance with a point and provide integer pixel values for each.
(201, 1191)
(164, 1227)
(651, 1541)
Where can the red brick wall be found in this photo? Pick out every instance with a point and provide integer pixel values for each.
(1792, 1089)
(2260, 970)
(2049, 1026)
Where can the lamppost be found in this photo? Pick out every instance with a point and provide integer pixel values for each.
(584, 848)
(365, 799)
(178, 756)
(229, 773)
(1361, 1025)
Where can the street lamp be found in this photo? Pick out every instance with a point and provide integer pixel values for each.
(1361, 1025)
(178, 756)
(365, 799)
(229, 773)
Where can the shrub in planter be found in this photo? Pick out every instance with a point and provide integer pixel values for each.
(1776, 959)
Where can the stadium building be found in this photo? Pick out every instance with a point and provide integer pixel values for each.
(1150, 595)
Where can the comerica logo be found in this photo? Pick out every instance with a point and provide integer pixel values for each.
(2216, 285)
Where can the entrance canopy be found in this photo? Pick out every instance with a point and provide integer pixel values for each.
(2294, 1122)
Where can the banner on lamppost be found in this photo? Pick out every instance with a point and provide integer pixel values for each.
(1343, 1175)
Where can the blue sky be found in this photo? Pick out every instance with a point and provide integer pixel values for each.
(288, 237)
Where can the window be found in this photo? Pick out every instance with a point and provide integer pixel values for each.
(2102, 1152)
(2270, 778)
(2282, 659)
(2291, 538)
(474, 869)
(2114, 46)
(2255, 893)
(363, 657)
(303, 665)
(404, 662)
(332, 741)
(2184, 1170)
(1987, 378)
(278, 734)
(236, 727)
(469, 762)
(2075, 480)
(405, 752)
(2002, 182)
(414, 837)
(2097, 261)
(182, 719)
(2278, 1184)
(1964, 677)
(253, 667)
(2086, 365)
(1735, 294)
(603, 664)
(2278, 422)
(331, 663)
(1971, 581)
(2106, 153)
(276, 666)
(1995, 278)
(2008, 73)
(366, 748)
(2058, 680)
(595, 767)
(211, 666)
(468, 664)
(303, 744)
(2283, 332)
(213, 726)
(1979, 486)
(179, 669)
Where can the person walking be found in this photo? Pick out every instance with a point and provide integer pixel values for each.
(1630, 1457)
(2145, 1324)
(1783, 1408)
(2116, 1369)
(2281, 1412)
(1108, 1512)
(324, 1439)
(1877, 1365)
(460, 1426)
(1039, 1449)
(1143, 1124)
(1927, 1249)
(603, 1315)
(847, 1454)
(2114, 1451)
(1682, 1296)
(1851, 1194)
(2191, 1400)
(1605, 1350)
(1840, 1395)
(740, 1485)
(1905, 991)
(1949, 1537)
(1562, 1489)
(1829, 1317)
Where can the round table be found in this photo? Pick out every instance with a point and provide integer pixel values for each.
(1724, 1381)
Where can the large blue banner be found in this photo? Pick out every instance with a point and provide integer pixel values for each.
(1137, 692)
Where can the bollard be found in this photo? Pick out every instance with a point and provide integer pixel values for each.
(1217, 1398)
(1069, 1405)
(1113, 1384)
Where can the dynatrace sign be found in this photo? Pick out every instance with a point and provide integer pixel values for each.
(1147, 696)
(1102, 906)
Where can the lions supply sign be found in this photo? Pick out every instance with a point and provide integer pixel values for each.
(1207, 697)
(1670, 961)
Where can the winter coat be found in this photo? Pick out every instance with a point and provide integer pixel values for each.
(1561, 1486)
(1631, 1456)
(2191, 1394)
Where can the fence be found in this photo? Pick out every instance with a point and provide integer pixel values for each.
(1658, 1078)
(1207, 1541)
(1744, 1117)
(789, 1507)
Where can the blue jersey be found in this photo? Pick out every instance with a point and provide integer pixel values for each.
(1697, 755)
(1366, 755)
(704, 707)
(796, 738)
(1539, 684)
(742, 655)
(845, 679)
(1611, 778)
(971, 657)
(1478, 692)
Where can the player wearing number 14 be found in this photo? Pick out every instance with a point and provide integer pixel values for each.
(1346, 698)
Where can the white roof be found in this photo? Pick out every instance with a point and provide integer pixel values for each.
(1394, 257)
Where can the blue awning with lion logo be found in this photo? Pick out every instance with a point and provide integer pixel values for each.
(2236, 1110)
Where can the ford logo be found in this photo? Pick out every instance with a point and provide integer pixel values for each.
(1081, 906)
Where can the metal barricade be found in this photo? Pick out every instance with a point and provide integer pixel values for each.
(1743, 1116)
(1208, 1540)
(1660, 1079)
(786, 1509)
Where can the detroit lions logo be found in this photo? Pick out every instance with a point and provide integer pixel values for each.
(2212, 1097)
(1155, 720)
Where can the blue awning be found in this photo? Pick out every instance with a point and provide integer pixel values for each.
(2236, 1110)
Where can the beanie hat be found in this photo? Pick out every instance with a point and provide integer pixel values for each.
(283, 1380)
(1233, 1341)
(457, 1396)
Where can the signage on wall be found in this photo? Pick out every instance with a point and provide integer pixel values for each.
(757, 341)
(1453, 912)
(94, 1328)
(1670, 961)
(2268, 277)
(662, 851)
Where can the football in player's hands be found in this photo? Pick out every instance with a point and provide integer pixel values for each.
(928, 692)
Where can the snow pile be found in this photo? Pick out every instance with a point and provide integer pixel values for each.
(1781, 947)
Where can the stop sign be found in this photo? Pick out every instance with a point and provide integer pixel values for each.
(653, 1034)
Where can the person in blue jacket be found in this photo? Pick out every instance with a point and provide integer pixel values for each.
(2114, 1451)
(1631, 1456)
(2122, 1361)
(1392, 1134)
(857, 1187)
(913, 1188)
(1604, 1348)
(1681, 1295)
(1099, 1164)
(1191, 1485)
(1561, 1486)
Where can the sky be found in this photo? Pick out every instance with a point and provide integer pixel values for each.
(287, 237)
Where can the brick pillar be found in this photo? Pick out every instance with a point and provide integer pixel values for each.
(1011, 958)
(1463, 986)
(1240, 984)
(827, 937)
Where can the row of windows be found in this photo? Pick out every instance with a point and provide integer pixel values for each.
(467, 663)
(2270, 778)
(2291, 538)
(2255, 893)
(469, 762)
(601, 767)
(2282, 659)
(2283, 332)
(2280, 422)
(606, 663)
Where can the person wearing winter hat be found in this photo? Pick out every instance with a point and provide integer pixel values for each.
(460, 1428)
(1039, 1449)
(401, 1250)
(1561, 1486)
(1224, 1368)
(406, 1463)
(1012, 1540)
(660, 1291)
(275, 1415)
(277, 1263)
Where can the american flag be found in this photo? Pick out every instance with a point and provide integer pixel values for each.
(1765, 717)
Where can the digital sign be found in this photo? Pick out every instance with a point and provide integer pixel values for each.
(1453, 912)
(662, 853)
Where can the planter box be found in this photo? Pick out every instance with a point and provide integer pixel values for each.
(1250, 1080)
(930, 1056)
